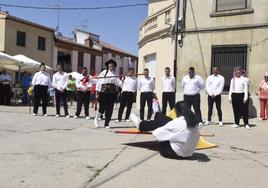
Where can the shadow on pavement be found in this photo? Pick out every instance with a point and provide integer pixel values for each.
(154, 145)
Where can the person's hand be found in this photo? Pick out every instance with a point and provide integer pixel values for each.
(257, 93)
(213, 96)
(245, 101)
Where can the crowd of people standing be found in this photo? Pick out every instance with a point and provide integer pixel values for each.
(102, 89)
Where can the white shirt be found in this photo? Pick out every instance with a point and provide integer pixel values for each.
(83, 86)
(168, 84)
(192, 86)
(239, 85)
(114, 80)
(183, 140)
(60, 80)
(130, 84)
(5, 78)
(146, 84)
(215, 84)
(41, 78)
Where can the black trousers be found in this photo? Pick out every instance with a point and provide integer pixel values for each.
(194, 100)
(168, 98)
(40, 93)
(239, 108)
(82, 98)
(106, 101)
(6, 94)
(127, 99)
(160, 120)
(146, 97)
(211, 101)
(61, 98)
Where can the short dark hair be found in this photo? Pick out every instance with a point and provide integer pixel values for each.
(191, 68)
(167, 68)
(84, 68)
(131, 69)
(146, 69)
(42, 64)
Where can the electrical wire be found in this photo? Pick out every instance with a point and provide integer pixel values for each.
(73, 8)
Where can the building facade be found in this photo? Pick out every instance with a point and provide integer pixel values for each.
(19, 36)
(223, 33)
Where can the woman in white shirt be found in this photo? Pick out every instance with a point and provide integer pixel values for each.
(41, 83)
(238, 96)
(178, 137)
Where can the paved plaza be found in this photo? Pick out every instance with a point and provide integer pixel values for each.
(37, 151)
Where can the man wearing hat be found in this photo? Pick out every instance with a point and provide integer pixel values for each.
(107, 95)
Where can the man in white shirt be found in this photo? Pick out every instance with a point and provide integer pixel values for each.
(108, 80)
(168, 95)
(83, 84)
(214, 88)
(5, 80)
(192, 85)
(41, 83)
(238, 96)
(129, 88)
(146, 86)
(59, 82)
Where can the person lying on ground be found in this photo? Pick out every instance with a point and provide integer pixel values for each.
(177, 138)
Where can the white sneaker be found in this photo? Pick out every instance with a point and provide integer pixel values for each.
(235, 126)
(67, 116)
(200, 124)
(156, 107)
(57, 115)
(75, 117)
(107, 127)
(135, 120)
(87, 118)
(34, 114)
(45, 115)
(220, 124)
(96, 123)
(247, 127)
(127, 120)
(207, 123)
(117, 121)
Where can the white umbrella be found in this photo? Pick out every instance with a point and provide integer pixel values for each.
(28, 63)
(8, 62)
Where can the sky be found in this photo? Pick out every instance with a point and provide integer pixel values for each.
(118, 27)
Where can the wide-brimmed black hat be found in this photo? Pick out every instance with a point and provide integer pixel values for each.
(110, 61)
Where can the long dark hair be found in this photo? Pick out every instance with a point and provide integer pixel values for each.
(183, 110)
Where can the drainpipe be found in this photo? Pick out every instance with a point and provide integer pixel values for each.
(176, 43)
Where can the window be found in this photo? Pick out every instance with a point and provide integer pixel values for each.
(92, 64)
(21, 38)
(167, 16)
(80, 59)
(41, 43)
(225, 5)
(226, 58)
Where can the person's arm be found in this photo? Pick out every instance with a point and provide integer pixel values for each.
(139, 84)
(166, 132)
(245, 90)
(230, 90)
(34, 79)
(220, 88)
(65, 81)
(174, 82)
(54, 82)
(153, 85)
(49, 81)
(208, 89)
